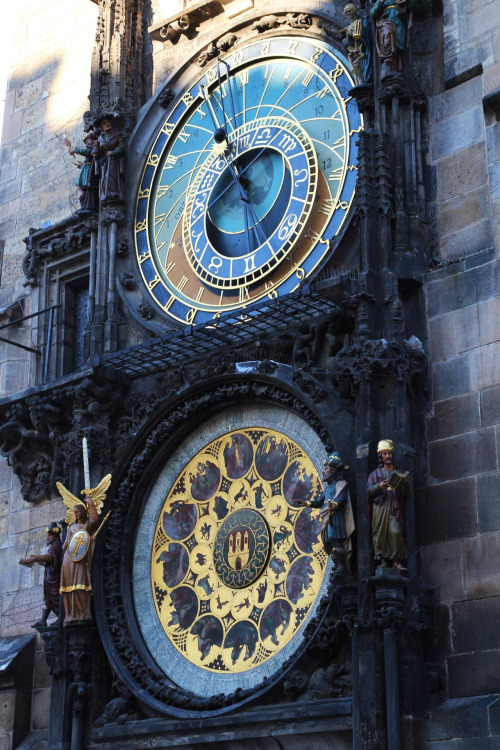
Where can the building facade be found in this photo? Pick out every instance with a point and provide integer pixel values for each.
(291, 249)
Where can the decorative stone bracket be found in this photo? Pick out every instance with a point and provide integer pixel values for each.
(41, 435)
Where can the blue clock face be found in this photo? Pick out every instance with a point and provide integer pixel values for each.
(249, 179)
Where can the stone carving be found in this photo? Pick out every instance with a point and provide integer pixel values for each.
(120, 83)
(172, 31)
(120, 708)
(128, 282)
(72, 234)
(294, 20)
(165, 97)
(362, 360)
(146, 311)
(325, 682)
(215, 48)
(41, 436)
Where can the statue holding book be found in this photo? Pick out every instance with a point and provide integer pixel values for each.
(388, 489)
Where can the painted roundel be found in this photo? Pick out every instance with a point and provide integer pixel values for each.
(235, 565)
(249, 179)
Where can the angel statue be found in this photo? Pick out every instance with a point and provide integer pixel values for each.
(82, 519)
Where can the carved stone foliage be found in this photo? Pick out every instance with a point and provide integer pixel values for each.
(41, 436)
(403, 360)
(138, 672)
(70, 235)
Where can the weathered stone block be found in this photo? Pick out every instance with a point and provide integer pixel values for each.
(478, 22)
(11, 127)
(467, 59)
(488, 502)
(448, 512)
(459, 717)
(467, 241)
(41, 709)
(490, 406)
(474, 674)
(4, 504)
(481, 557)
(7, 708)
(13, 377)
(28, 94)
(457, 132)
(443, 566)
(19, 522)
(475, 625)
(455, 416)
(461, 172)
(5, 475)
(42, 677)
(464, 210)
(450, 378)
(466, 324)
(442, 337)
(463, 455)
(489, 320)
(22, 607)
(458, 99)
(485, 366)
(494, 712)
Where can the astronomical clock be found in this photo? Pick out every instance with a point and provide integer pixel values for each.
(228, 567)
(216, 578)
(249, 179)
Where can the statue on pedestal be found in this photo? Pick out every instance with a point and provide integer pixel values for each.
(109, 151)
(82, 519)
(337, 520)
(87, 184)
(387, 491)
(51, 561)
(393, 19)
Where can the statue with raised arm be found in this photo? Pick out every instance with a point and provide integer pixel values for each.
(86, 183)
(51, 560)
(387, 490)
(82, 519)
(337, 520)
(358, 41)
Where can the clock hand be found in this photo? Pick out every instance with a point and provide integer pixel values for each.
(228, 81)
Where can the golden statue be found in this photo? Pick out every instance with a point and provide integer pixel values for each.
(82, 518)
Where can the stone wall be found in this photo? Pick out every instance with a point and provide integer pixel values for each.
(47, 87)
(459, 515)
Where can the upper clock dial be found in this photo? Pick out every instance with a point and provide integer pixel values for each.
(248, 180)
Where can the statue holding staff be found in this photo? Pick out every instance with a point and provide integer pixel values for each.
(337, 520)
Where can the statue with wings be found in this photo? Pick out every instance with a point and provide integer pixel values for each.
(82, 518)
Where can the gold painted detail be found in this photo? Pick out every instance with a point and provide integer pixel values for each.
(236, 564)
